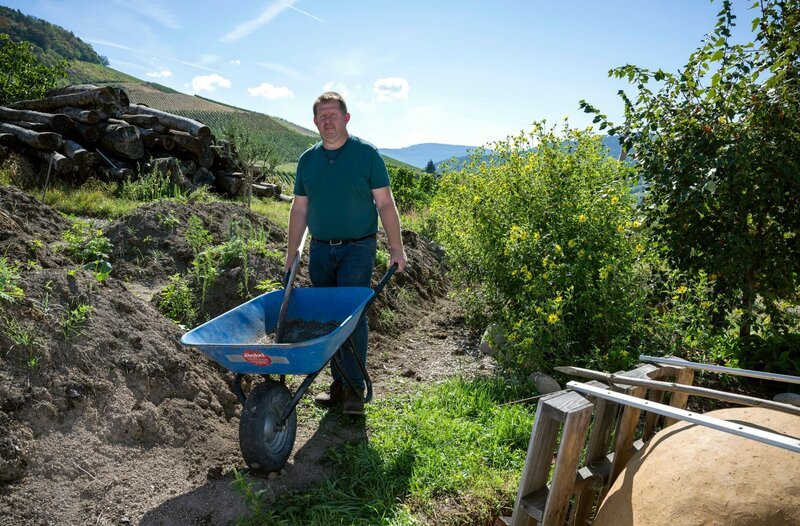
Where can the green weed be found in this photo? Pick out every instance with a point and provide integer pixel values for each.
(197, 236)
(153, 186)
(177, 301)
(74, 320)
(86, 242)
(9, 276)
(268, 285)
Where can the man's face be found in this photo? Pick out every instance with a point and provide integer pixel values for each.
(330, 120)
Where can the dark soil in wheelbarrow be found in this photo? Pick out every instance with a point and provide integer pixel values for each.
(106, 419)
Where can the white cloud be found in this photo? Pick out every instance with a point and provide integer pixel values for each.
(152, 10)
(209, 82)
(164, 73)
(207, 59)
(266, 16)
(268, 91)
(236, 62)
(108, 44)
(391, 88)
(283, 70)
(338, 87)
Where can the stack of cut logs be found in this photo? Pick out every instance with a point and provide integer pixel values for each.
(84, 130)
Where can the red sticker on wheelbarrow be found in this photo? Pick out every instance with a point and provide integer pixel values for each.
(256, 358)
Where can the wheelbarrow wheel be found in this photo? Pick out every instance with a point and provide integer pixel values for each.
(265, 445)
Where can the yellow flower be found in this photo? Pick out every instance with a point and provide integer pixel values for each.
(582, 218)
(636, 224)
(614, 200)
(620, 229)
(558, 248)
(681, 290)
(552, 319)
(571, 243)
(639, 248)
(537, 236)
(476, 198)
(558, 300)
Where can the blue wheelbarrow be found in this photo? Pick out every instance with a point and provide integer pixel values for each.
(235, 340)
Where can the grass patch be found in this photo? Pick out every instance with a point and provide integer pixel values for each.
(275, 211)
(89, 201)
(452, 452)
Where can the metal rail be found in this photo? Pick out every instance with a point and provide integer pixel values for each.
(759, 435)
(720, 369)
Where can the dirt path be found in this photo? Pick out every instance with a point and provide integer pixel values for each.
(105, 419)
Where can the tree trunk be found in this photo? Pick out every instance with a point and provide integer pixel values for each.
(143, 121)
(81, 115)
(39, 140)
(57, 122)
(87, 132)
(60, 163)
(230, 184)
(191, 126)
(80, 156)
(122, 139)
(83, 99)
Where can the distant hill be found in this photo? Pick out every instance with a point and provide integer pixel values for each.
(419, 154)
(50, 42)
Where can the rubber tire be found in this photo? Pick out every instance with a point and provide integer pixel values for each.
(264, 449)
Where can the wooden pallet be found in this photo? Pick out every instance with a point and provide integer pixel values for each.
(579, 480)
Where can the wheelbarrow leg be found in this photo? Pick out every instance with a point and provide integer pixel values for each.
(236, 386)
(337, 362)
(297, 396)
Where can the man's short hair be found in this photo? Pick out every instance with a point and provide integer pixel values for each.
(329, 96)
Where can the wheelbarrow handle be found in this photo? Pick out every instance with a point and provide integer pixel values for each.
(385, 279)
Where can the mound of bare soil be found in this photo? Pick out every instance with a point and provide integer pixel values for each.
(105, 418)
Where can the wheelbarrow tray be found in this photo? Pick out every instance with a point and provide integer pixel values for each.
(236, 338)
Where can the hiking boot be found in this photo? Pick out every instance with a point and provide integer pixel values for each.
(353, 402)
(333, 397)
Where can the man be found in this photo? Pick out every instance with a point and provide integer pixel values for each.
(341, 188)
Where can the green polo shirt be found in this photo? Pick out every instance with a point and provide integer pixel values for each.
(339, 184)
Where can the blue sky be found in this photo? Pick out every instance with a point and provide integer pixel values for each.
(466, 72)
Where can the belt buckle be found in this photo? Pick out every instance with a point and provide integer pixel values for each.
(336, 242)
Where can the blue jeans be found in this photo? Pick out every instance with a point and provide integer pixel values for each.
(346, 265)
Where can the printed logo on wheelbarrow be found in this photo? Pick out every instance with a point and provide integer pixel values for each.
(256, 358)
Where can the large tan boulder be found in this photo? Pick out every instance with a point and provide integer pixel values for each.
(693, 475)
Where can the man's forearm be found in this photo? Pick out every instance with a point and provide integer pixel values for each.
(297, 226)
(390, 220)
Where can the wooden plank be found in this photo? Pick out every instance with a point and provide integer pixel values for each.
(541, 447)
(534, 504)
(596, 451)
(626, 428)
(569, 453)
(720, 369)
(680, 399)
(735, 428)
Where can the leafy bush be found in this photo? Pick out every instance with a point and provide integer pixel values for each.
(22, 77)
(716, 143)
(544, 239)
(775, 353)
(411, 189)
